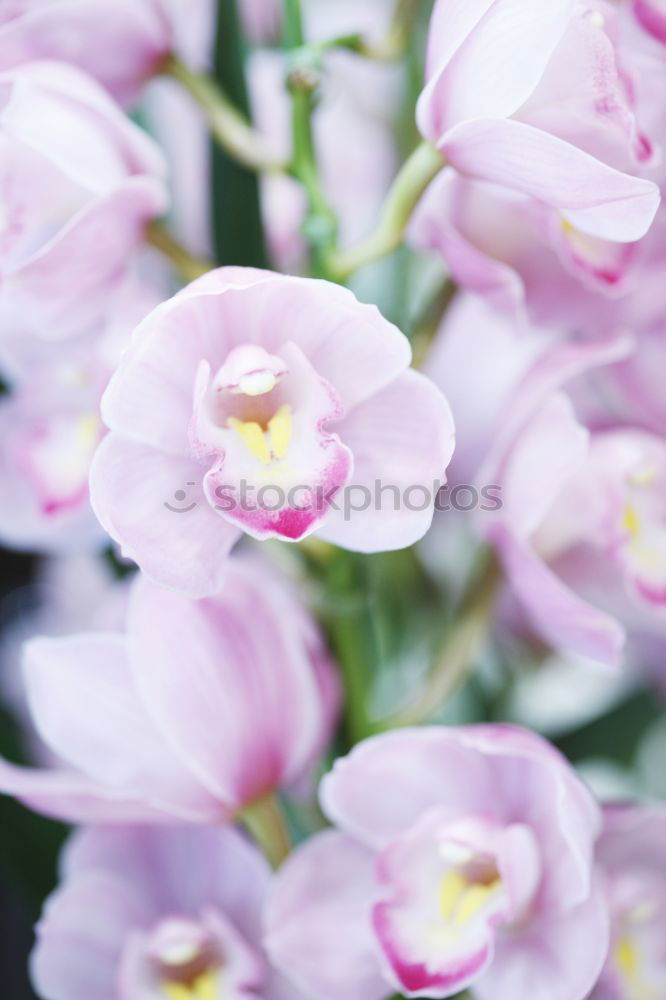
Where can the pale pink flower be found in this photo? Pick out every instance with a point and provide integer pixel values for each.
(632, 853)
(121, 43)
(50, 424)
(259, 396)
(461, 857)
(78, 184)
(582, 528)
(146, 913)
(532, 97)
(70, 593)
(507, 247)
(200, 709)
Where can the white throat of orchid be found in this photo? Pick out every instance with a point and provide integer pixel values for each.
(470, 888)
(446, 896)
(185, 961)
(261, 425)
(643, 533)
(56, 459)
(251, 405)
(631, 959)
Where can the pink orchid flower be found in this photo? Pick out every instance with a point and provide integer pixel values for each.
(121, 43)
(78, 184)
(199, 710)
(50, 425)
(268, 394)
(632, 852)
(156, 913)
(532, 98)
(475, 870)
(582, 528)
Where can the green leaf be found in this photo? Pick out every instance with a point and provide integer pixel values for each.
(237, 229)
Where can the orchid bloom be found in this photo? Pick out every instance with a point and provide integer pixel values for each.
(475, 870)
(156, 913)
(631, 852)
(582, 527)
(78, 184)
(258, 397)
(532, 98)
(121, 43)
(161, 724)
(50, 425)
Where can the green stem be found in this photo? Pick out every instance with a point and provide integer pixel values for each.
(266, 825)
(320, 226)
(459, 649)
(351, 637)
(416, 174)
(229, 128)
(186, 264)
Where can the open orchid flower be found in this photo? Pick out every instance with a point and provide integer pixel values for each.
(121, 43)
(533, 98)
(50, 425)
(631, 853)
(504, 246)
(267, 394)
(160, 724)
(581, 528)
(183, 918)
(78, 184)
(477, 870)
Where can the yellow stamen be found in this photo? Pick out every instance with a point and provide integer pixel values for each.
(281, 429)
(452, 887)
(254, 438)
(630, 522)
(460, 900)
(203, 988)
(474, 899)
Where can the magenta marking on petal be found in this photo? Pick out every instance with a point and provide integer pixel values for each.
(414, 976)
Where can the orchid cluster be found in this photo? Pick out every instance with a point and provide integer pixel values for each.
(332, 351)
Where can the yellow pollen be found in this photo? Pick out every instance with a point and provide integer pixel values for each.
(628, 963)
(279, 435)
(280, 428)
(460, 900)
(630, 522)
(203, 988)
(452, 887)
(254, 438)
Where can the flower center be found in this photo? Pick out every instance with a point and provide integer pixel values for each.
(466, 891)
(267, 443)
(185, 961)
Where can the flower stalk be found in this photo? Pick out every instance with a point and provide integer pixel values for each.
(229, 128)
(187, 265)
(416, 174)
(266, 825)
(320, 227)
(459, 649)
